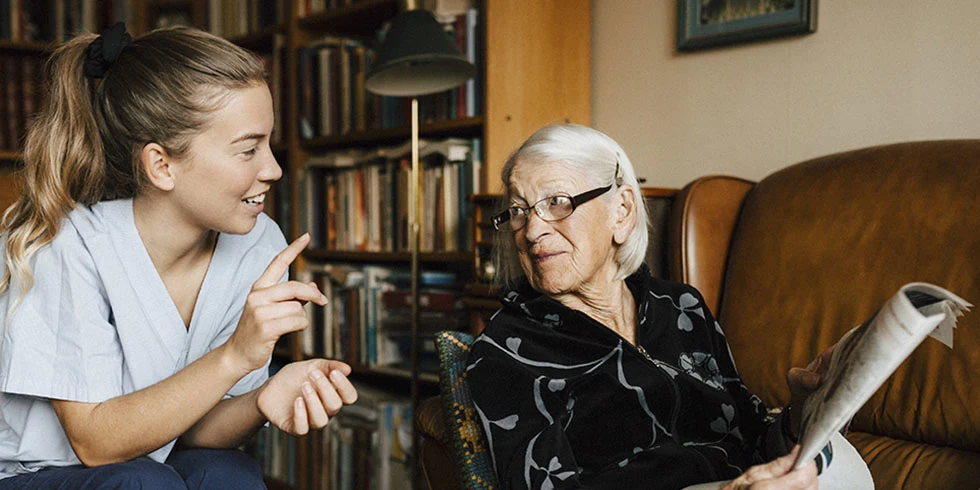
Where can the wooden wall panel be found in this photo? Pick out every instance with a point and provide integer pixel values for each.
(537, 72)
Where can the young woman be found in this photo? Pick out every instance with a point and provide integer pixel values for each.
(142, 289)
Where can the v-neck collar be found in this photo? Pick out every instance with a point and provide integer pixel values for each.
(143, 276)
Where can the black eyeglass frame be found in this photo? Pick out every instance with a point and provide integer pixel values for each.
(577, 200)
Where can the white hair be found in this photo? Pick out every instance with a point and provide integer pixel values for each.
(592, 155)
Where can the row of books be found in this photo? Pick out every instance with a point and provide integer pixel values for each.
(334, 100)
(274, 449)
(367, 446)
(233, 18)
(357, 200)
(310, 7)
(21, 92)
(58, 20)
(275, 67)
(275, 452)
(367, 320)
(439, 7)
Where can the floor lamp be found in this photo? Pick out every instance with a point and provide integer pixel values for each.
(416, 58)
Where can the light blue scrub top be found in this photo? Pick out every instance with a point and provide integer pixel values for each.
(99, 323)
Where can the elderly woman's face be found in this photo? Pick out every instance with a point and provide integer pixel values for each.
(568, 256)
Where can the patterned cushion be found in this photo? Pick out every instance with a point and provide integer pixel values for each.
(473, 460)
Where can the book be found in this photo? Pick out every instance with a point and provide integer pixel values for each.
(868, 354)
(432, 299)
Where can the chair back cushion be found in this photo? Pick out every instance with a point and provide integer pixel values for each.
(820, 245)
(474, 463)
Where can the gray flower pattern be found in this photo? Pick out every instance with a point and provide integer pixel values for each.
(563, 399)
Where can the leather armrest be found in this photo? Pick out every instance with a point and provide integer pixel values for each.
(702, 221)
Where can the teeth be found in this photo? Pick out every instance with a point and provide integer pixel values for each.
(255, 200)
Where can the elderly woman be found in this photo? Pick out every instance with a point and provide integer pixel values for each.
(595, 374)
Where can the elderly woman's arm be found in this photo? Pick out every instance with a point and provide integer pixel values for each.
(763, 435)
(523, 423)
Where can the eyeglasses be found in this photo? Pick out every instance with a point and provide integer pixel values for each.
(552, 208)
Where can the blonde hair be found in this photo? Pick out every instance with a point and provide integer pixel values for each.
(84, 145)
(593, 155)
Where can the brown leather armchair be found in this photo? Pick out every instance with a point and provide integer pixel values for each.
(791, 263)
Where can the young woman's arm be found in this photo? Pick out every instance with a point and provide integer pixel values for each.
(301, 395)
(137, 423)
(133, 425)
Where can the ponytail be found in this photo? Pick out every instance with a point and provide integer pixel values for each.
(63, 164)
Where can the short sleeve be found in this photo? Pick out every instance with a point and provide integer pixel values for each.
(59, 342)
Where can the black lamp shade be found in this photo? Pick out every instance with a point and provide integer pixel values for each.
(417, 58)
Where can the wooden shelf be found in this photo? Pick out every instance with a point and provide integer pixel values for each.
(361, 19)
(482, 290)
(30, 47)
(274, 484)
(7, 157)
(658, 192)
(470, 126)
(386, 257)
(395, 372)
(484, 198)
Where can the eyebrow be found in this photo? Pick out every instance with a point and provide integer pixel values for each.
(250, 136)
(514, 196)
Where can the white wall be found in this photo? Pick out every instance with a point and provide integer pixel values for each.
(876, 71)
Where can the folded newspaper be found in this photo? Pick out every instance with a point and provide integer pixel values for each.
(868, 354)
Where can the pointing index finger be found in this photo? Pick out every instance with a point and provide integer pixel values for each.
(280, 263)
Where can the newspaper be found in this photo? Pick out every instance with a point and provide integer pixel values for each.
(868, 354)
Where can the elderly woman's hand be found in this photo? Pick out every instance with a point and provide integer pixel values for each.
(777, 474)
(802, 382)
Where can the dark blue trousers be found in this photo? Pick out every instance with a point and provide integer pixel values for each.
(191, 469)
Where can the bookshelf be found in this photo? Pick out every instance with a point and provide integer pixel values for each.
(534, 62)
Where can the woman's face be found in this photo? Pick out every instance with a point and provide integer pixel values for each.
(570, 256)
(230, 166)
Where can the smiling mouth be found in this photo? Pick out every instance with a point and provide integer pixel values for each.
(254, 200)
(541, 257)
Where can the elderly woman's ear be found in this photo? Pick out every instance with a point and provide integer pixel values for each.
(624, 214)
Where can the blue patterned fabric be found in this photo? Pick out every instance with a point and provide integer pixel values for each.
(475, 466)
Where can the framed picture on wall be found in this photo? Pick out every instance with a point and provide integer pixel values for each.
(706, 23)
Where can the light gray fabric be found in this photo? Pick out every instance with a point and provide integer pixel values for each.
(99, 323)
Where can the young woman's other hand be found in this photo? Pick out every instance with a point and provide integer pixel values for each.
(306, 394)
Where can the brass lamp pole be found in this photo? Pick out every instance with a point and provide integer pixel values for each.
(416, 58)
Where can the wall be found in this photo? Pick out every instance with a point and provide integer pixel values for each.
(875, 71)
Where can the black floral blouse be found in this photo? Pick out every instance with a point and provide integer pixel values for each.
(567, 403)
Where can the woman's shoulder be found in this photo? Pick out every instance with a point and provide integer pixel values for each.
(67, 255)
(658, 285)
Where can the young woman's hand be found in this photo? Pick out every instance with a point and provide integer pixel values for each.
(777, 475)
(306, 394)
(272, 310)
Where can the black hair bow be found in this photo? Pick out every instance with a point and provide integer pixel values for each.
(104, 51)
